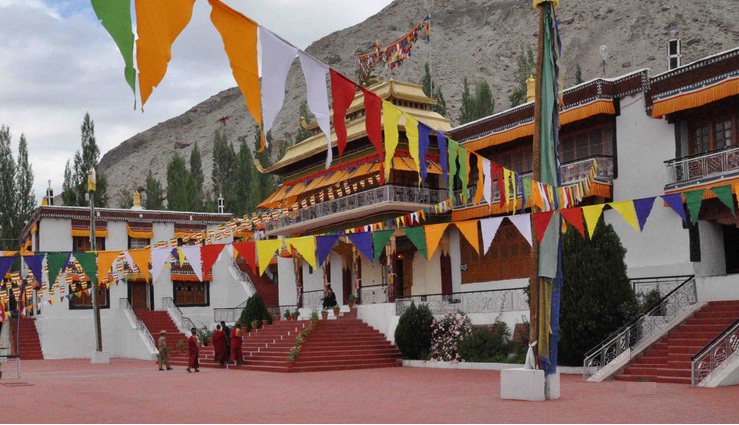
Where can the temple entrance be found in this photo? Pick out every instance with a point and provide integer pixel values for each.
(404, 274)
(731, 248)
(140, 295)
(445, 261)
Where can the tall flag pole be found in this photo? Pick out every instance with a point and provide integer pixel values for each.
(546, 279)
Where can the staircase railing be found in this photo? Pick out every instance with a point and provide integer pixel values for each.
(181, 321)
(238, 274)
(714, 354)
(491, 301)
(137, 323)
(634, 333)
(313, 299)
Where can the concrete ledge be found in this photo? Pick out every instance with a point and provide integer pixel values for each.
(564, 370)
(100, 357)
(522, 384)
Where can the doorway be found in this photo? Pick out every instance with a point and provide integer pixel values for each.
(140, 295)
(731, 248)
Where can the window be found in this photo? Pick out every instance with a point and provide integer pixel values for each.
(191, 293)
(83, 300)
(586, 143)
(137, 243)
(82, 243)
(713, 134)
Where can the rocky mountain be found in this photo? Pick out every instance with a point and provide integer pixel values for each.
(477, 39)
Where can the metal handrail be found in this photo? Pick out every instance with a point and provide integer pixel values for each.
(486, 301)
(714, 354)
(139, 325)
(181, 321)
(313, 299)
(701, 165)
(640, 284)
(637, 331)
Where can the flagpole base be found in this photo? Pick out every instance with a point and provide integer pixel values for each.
(523, 384)
(100, 357)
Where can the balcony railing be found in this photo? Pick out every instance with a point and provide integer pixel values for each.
(703, 166)
(572, 172)
(374, 196)
(493, 301)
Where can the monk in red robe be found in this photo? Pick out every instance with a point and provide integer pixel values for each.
(193, 352)
(236, 344)
(219, 345)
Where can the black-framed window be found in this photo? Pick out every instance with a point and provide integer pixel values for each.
(188, 293)
(83, 301)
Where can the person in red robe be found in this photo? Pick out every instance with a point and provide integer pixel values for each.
(219, 345)
(193, 352)
(236, 344)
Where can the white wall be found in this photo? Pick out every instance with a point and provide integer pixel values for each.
(55, 234)
(381, 317)
(456, 258)
(713, 257)
(287, 286)
(371, 272)
(426, 274)
(718, 288)
(336, 279)
(117, 236)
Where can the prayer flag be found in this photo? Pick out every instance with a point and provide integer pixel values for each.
(277, 56)
(418, 237)
(342, 95)
(434, 233)
(469, 230)
(115, 15)
(315, 73)
(489, 228)
(390, 117)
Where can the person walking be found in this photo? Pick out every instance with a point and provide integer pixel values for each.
(193, 352)
(219, 345)
(227, 332)
(163, 350)
(236, 344)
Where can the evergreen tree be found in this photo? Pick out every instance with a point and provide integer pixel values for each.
(526, 66)
(24, 183)
(596, 294)
(75, 181)
(484, 102)
(154, 199)
(426, 80)
(440, 107)
(578, 75)
(262, 185)
(125, 199)
(8, 210)
(196, 172)
(178, 180)
(244, 168)
(467, 110)
(224, 175)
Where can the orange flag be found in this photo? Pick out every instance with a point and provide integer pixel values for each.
(141, 258)
(239, 35)
(470, 230)
(105, 262)
(434, 233)
(158, 23)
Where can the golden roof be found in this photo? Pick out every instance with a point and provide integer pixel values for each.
(356, 129)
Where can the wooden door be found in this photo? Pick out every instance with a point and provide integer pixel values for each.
(138, 295)
(446, 273)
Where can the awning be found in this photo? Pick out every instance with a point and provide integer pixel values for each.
(695, 96)
(407, 164)
(85, 232)
(140, 233)
(577, 113)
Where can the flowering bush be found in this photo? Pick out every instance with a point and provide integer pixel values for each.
(446, 334)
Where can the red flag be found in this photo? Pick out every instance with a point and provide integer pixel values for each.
(248, 251)
(497, 171)
(209, 254)
(342, 94)
(574, 217)
(541, 221)
(373, 118)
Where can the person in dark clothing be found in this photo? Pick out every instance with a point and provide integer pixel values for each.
(329, 299)
(227, 331)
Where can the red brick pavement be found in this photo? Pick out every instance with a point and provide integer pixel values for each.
(128, 391)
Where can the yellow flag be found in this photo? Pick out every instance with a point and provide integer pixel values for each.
(306, 246)
(626, 208)
(265, 251)
(411, 132)
(239, 35)
(592, 215)
(434, 233)
(390, 117)
(158, 23)
(470, 230)
(105, 262)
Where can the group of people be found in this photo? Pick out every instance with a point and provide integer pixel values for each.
(226, 344)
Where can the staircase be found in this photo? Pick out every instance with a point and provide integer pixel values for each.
(669, 359)
(28, 344)
(159, 320)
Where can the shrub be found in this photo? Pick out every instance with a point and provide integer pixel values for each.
(486, 344)
(447, 333)
(413, 334)
(254, 310)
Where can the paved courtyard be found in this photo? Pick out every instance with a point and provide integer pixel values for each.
(125, 391)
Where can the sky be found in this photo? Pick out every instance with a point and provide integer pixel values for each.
(57, 62)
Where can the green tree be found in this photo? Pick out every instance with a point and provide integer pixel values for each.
(467, 110)
(178, 179)
(440, 107)
(596, 293)
(243, 186)
(196, 173)
(224, 175)
(578, 75)
(262, 185)
(426, 83)
(154, 199)
(125, 199)
(526, 66)
(26, 199)
(484, 102)
(413, 333)
(8, 209)
(75, 177)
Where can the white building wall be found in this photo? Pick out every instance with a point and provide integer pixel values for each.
(643, 144)
(117, 236)
(336, 278)
(55, 234)
(713, 257)
(426, 274)
(456, 258)
(288, 287)
(371, 272)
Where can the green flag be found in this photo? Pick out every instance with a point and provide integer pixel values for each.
(379, 239)
(88, 261)
(694, 199)
(463, 172)
(115, 15)
(724, 195)
(417, 235)
(56, 263)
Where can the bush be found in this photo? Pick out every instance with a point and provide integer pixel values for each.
(413, 334)
(254, 310)
(486, 345)
(447, 333)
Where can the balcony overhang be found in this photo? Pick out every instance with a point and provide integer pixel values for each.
(707, 170)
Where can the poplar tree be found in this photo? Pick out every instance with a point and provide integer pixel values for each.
(440, 107)
(8, 210)
(466, 112)
(224, 176)
(75, 176)
(484, 102)
(526, 66)
(196, 174)
(242, 203)
(578, 75)
(177, 184)
(154, 199)
(24, 185)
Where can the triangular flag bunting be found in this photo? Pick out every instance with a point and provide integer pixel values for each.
(541, 222)
(36, 264)
(363, 242)
(379, 240)
(627, 211)
(434, 233)
(265, 251)
(418, 237)
(324, 245)
(105, 262)
(469, 230)
(523, 224)
(115, 15)
(88, 261)
(248, 252)
(159, 257)
(723, 193)
(643, 208)
(592, 214)
(573, 216)
(694, 200)
(489, 228)
(141, 258)
(306, 246)
(209, 254)
(194, 257)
